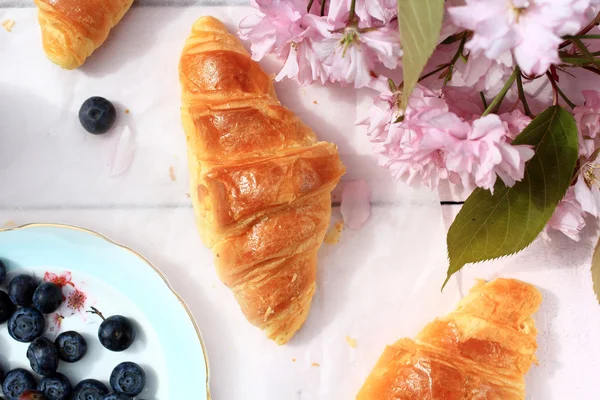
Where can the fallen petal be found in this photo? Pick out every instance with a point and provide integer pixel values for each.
(356, 203)
(121, 149)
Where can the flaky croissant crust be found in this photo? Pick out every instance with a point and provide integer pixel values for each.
(260, 180)
(482, 350)
(73, 29)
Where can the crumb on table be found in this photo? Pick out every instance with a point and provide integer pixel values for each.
(187, 195)
(8, 25)
(10, 223)
(315, 102)
(333, 234)
(351, 342)
(293, 360)
(172, 173)
(127, 111)
(316, 364)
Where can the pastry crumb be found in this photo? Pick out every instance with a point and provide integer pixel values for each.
(172, 173)
(8, 25)
(187, 195)
(315, 102)
(316, 364)
(10, 223)
(334, 233)
(127, 111)
(293, 360)
(351, 342)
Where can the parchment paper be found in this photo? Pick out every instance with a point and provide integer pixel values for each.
(376, 285)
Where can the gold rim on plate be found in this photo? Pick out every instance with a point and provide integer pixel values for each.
(144, 259)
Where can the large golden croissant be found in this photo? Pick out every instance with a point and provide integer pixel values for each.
(481, 351)
(73, 29)
(260, 180)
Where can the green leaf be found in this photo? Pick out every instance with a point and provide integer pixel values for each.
(420, 26)
(596, 271)
(491, 226)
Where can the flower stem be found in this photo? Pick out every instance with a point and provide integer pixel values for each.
(483, 100)
(554, 88)
(310, 3)
(500, 96)
(322, 7)
(352, 12)
(585, 30)
(522, 94)
(565, 98)
(582, 37)
(581, 46)
(592, 69)
(435, 71)
(98, 313)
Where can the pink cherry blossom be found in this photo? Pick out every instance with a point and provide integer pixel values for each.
(61, 280)
(531, 29)
(481, 73)
(352, 53)
(588, 122)
(286, 29)
(430, 142)
(568, 217)
(587, 191)
(483, 153)
(366, 10)
(515, 121)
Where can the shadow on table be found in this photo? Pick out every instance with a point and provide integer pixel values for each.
(536, 381)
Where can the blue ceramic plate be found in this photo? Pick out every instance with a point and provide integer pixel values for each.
(96, 272)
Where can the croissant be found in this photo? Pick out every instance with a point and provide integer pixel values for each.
(261, 181)
(482, 350)
(73, 29)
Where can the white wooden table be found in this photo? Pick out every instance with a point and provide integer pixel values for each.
(378, 284)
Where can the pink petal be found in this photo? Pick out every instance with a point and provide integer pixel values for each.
(119, 151)
(356, 203)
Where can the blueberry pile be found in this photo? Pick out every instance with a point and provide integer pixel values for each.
(22, 307)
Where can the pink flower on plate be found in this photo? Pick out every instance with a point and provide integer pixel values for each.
(531, 29)
(366, 10)
(55, 320)
(588, 121)
(287, 30)
(568, 217)
(352, 53)
(61, 280)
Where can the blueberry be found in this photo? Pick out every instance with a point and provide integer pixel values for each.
(32, 395)
(7, 308)
(2, 272)
(43, 356)
(128, 378)
(116, 333)
(56, 387)
(16, 382)
(21, 290)
(97, 115)
(89, 389)
(116, 396)
(26, 324)
(1, 376)
(47, 297)
(71, 346)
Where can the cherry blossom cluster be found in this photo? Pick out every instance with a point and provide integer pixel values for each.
(459, 123)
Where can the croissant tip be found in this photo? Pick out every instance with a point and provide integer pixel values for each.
(208, 23)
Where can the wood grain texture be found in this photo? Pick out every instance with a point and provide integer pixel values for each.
(261, 181)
